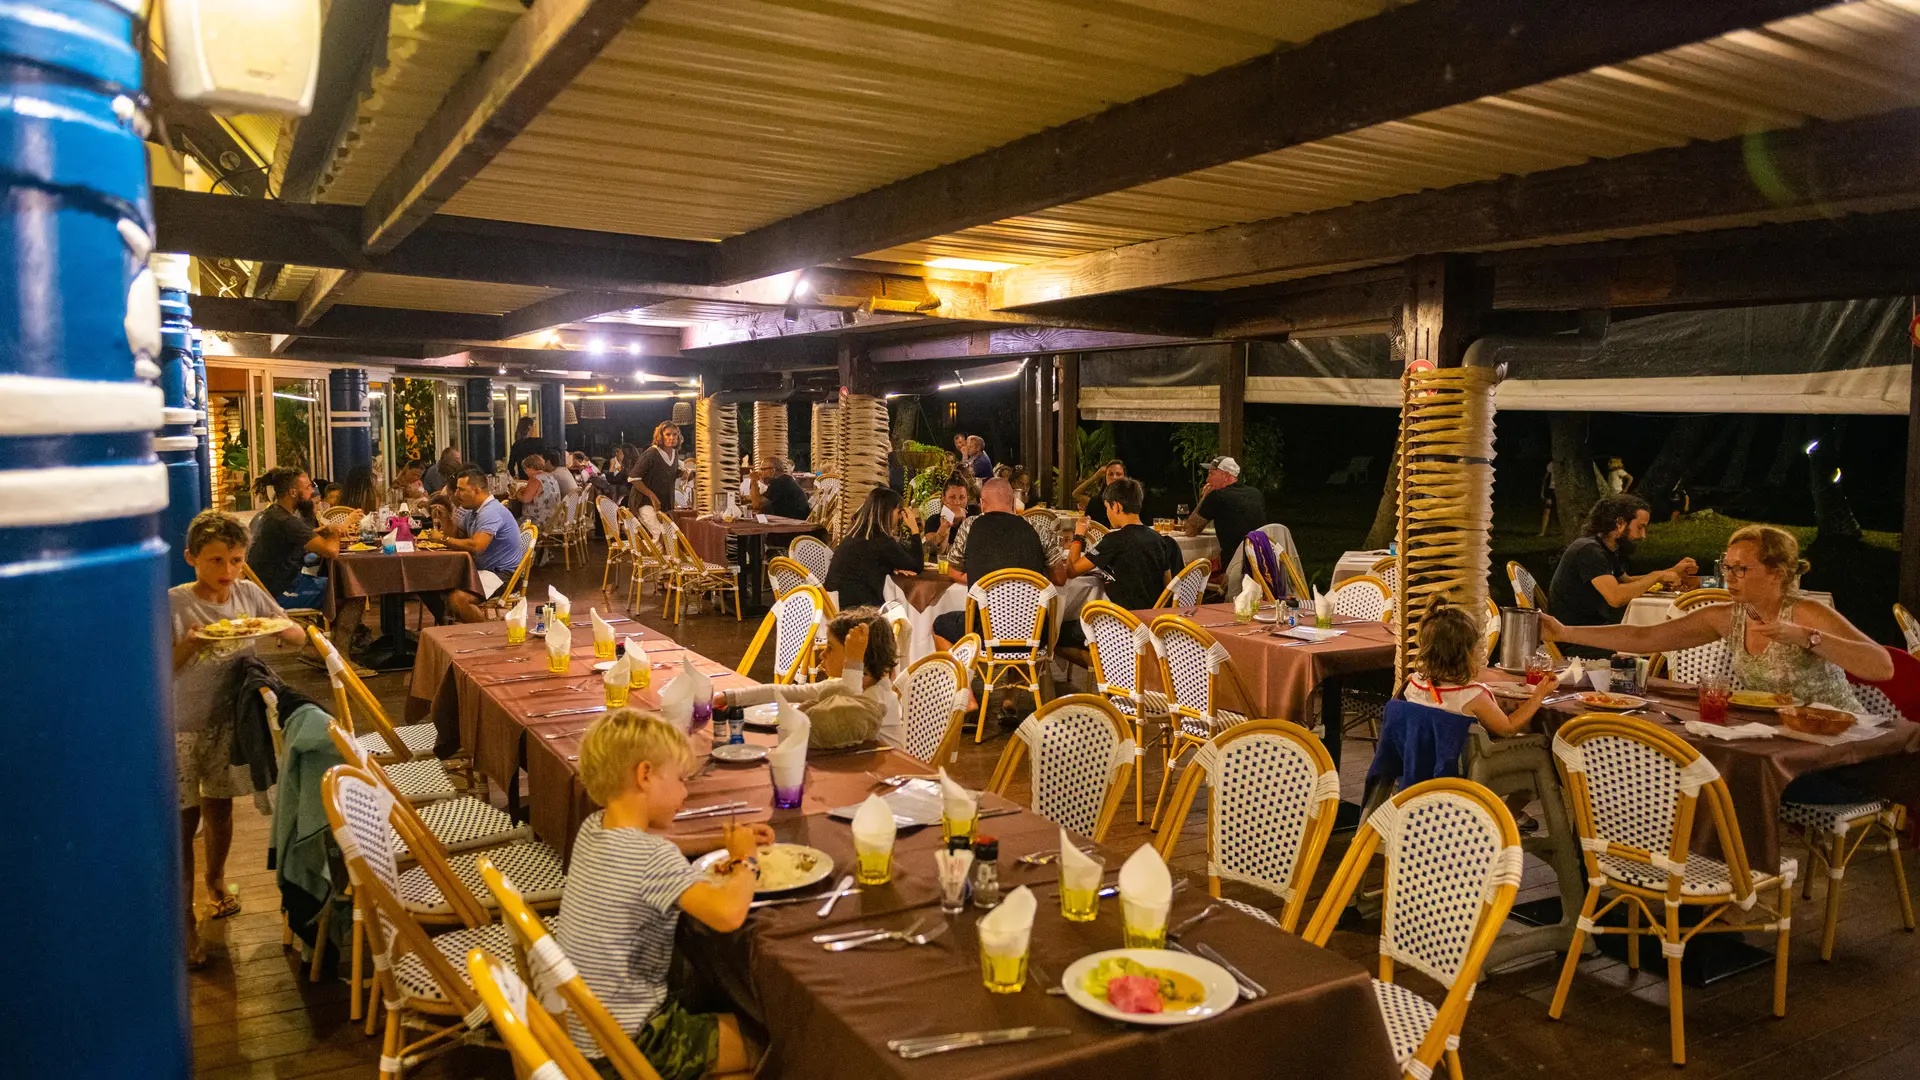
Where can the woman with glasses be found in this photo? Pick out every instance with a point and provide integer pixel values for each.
(1781, 641)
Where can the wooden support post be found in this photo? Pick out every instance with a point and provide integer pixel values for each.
(1443, 311)
(1030, 420)
(1068, 366)
(1043, 428)
(1910, 524)
(1233, 400)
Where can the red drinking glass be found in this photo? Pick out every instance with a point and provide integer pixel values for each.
(1714, 692)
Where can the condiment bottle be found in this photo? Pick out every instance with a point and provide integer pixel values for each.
(986, 872)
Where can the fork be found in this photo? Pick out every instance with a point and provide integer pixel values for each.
(1043, 858)
(575, 688)
(908, 935)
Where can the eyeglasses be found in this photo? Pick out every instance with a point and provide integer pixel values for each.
(1735, 571)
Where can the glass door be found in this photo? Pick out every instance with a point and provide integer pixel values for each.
(379, 430)
(299, 425)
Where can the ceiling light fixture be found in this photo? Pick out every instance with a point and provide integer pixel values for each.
(633, 348)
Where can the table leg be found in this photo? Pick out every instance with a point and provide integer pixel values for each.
(754, 554)
(394, 649)
(1333, 733)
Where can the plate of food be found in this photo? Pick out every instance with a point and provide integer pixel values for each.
(739, 753)
(1511, 691)
(1763, 699)
(363, 547)
(764, 717)
(1595, 699)
(430, 545)
(1149, 986)
(237, 629)
(783, 867)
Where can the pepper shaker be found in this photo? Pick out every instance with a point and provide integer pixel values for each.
(986, 872)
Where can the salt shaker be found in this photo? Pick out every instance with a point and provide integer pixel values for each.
(986, 872)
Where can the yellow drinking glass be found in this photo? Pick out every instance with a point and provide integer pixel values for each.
(1079, 905)
(565, 618)
(557, 663)
(1002, 974)
(873, 867)
(642, 673)
(603, 650)
(950, 828)
(943, 565)
(1143, 927)
(517, 635)
(616, 696)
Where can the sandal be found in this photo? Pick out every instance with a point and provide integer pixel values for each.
(228, 905)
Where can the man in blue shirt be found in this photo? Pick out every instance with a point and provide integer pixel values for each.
(977, 458)
(485, 529)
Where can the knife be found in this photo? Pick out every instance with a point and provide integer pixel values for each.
(962, 1040)
(1248, 988)
(567, 712)
(785, 900)
(531, 678)
(845, 887)
(713, 809)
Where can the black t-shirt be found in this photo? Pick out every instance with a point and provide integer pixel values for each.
(1573, 599)
(783, 498)
(521, 448)
(657, 474)
(999, 541)
(1235, 511)
(860, 567)
(278, 547)
(1097, 509)
(1139, 560)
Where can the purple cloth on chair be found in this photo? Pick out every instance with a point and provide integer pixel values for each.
(1260, 552)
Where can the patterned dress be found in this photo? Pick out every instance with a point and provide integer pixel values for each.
(1786, 669)
(539, 509)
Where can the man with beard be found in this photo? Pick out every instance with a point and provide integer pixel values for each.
(285, 537)
(1591, 586)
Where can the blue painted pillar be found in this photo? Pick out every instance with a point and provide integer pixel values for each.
(348, 423)
(204, 427)
(80, 500)
(553, 416)
(177, 446)
(480, 448)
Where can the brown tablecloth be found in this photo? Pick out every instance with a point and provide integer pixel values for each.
(831, 1014)
(371, 573)
(708, 535)
(1757, 771)
(923, 589)
(1281, 677)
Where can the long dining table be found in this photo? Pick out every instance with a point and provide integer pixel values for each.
(832, 1014)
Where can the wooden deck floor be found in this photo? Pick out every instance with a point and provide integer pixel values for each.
(256, 1016)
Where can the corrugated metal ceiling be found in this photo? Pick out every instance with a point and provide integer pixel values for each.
(710, 117)
(1853, 60)
(436, 294)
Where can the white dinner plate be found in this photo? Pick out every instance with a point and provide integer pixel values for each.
(1594, 699)
(739, 753)
(763, 716)
(822, 867)
(1222, 991)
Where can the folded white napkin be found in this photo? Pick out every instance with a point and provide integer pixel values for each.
(602, 629)
(1146, 889)
(621, 673)
(1322, 604)
(701, 685)
(1077, 869)
(1729, 733)
(559, 601)
(956, 802)
(873, 825)
(676, 703)
(517, 614)
(789, 759)
(1249, 599)
(1004, 930)
(1574, 673)
(559, 639)
(788, 718)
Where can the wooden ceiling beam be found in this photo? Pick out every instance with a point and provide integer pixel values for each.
(1008, 343)
(544, 50)
(1818, 170)
(445, 246)
(1403, 62)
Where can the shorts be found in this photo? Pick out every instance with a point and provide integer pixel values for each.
(306, 592)
(203, 769)
(680, 1045)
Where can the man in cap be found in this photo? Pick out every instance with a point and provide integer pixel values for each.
(1236, 509)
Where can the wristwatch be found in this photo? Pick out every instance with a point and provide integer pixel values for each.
(1814, 639)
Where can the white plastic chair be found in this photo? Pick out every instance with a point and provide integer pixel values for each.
(812, 553)
(1635, 790)
(1272, 793)
(1081, 753)
(1453, 865)
(1363, 597)
(793, 622)
(1011, 608)
(1117, 641)
(933, 708)
(1187, 586)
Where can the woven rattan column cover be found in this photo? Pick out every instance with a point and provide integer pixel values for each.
(716, 442)
(1446, 497)
(863, 455)
(826, 438)
(770, 432)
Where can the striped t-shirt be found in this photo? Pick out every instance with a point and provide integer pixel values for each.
(617, 919)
